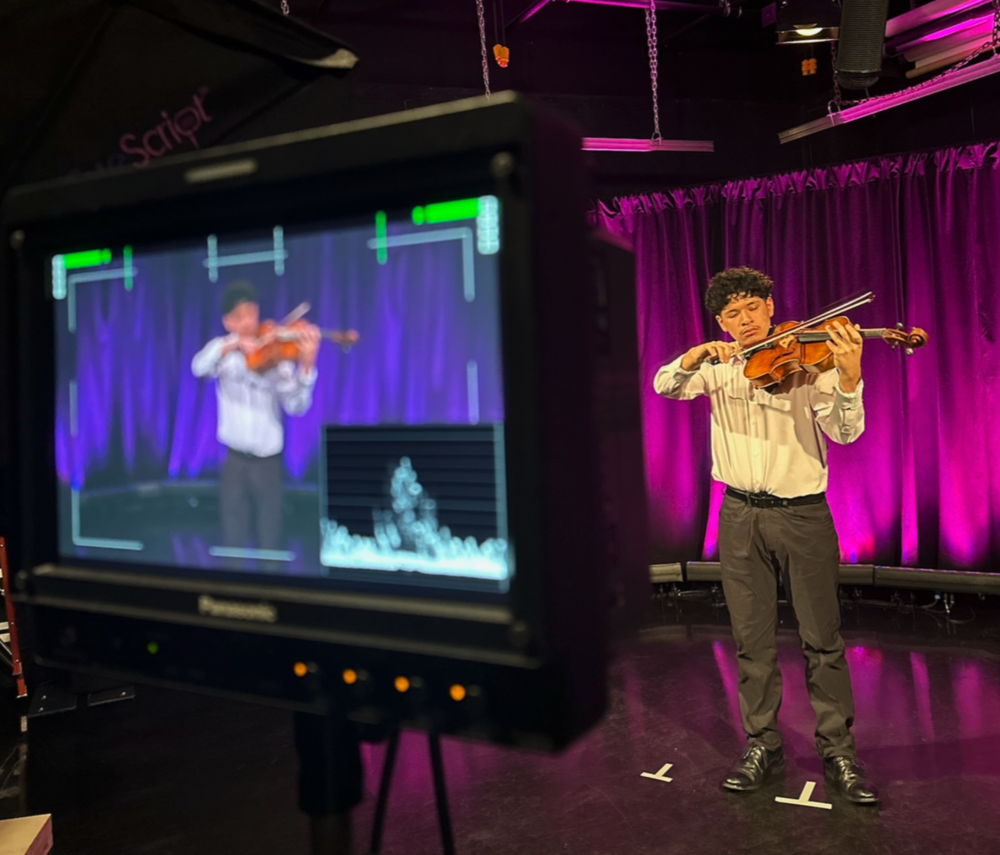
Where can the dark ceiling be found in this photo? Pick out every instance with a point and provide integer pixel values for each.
(720, 78)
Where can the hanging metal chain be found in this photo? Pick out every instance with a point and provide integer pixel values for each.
(838, 99)
(654, 63)
(996, 26)
(482, 44)
(284, 7)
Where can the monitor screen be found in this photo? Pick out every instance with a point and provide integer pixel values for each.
(317, 401)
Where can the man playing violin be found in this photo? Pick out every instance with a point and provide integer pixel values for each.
(250, 416)
(768, 448)
(331, 778)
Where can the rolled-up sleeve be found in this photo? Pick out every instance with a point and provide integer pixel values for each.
(294, 388)
(206, 361)
(672, 381)
(840, 415)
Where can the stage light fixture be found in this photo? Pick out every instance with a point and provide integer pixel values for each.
(802, 22)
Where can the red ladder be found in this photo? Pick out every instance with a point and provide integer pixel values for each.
(10, 647)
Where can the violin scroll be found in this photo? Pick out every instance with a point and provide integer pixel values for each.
(345, 338)
(911, 340)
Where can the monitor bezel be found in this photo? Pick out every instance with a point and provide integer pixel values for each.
(504, 148)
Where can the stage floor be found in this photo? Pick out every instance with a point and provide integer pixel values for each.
(171, 773)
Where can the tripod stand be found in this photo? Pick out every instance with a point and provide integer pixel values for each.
(331, 779)
(440, 793)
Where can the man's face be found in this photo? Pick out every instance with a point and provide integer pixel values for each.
(243, 320)
(747, 319)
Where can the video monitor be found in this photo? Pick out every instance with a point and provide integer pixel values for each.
(311, 401)
(306, 419)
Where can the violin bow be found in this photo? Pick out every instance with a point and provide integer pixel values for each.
(295, 314)
(860, 299)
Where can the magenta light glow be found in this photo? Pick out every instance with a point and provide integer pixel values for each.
(532, 10)
(948, 31)
(726, 663)
(922, 693)
(937, 55)
(616, 144)
(933, 11)
(666, 5)
(710, 548)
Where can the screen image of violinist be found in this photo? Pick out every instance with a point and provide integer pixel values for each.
(199, 383)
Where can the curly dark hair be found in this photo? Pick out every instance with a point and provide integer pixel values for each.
(238, 291)
(736, 282)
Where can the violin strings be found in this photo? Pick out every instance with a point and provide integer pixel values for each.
(846, 306)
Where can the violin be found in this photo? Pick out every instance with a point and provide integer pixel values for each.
(801, 346)
(287, 336)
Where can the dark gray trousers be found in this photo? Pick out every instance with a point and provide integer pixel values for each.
(251, 484)
(800, 543)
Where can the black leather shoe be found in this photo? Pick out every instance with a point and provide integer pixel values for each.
(754, 766)
(848, 779)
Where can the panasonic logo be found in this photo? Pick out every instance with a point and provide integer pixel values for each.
(263, 612)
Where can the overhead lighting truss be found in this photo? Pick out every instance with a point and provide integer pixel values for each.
(617, 144)
(948, 80)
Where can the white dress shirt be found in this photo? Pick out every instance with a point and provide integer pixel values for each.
(764, 442)
(250, 404)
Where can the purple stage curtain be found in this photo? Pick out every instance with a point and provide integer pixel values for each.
(144, 416)
(922, 231)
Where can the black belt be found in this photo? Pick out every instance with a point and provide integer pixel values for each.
(243, 455)
(766, 500)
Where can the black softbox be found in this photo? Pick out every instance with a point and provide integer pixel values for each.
(91, 84)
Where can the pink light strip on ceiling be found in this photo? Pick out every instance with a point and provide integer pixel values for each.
(618, 144)
(937, 53)
(946, 31)
(662, 5)
(948, 80)
(531, 11)
(957, 28)
(643, 4)
(932, 11)
(931, 51)
(941, 61)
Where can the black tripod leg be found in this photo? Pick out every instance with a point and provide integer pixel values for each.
(441, 795)
(388, 765)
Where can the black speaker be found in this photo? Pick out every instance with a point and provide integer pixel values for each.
(862, 32)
